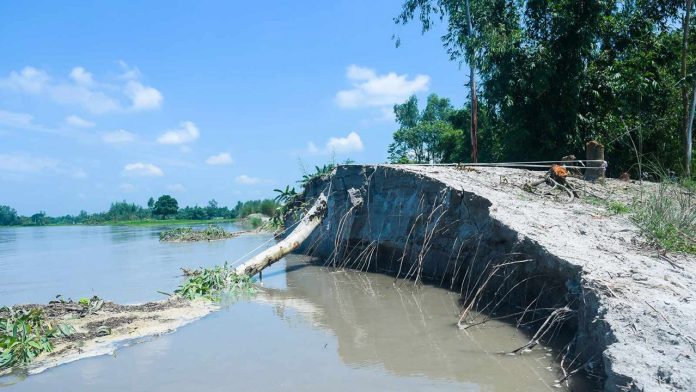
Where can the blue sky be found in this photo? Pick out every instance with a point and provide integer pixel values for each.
(106, 101)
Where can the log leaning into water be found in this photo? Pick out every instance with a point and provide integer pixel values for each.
(309, 222)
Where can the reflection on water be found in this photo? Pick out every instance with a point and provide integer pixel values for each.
(407, 331)
(310, 328)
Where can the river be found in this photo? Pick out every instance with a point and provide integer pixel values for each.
(311, 328)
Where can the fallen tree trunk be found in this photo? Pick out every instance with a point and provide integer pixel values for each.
(309, 222)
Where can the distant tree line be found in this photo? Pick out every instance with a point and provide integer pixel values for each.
(165, 207)
(555, 74)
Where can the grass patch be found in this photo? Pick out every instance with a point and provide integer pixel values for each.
(212, 283)
(617, 207)
(25, 334)
(668, 216)
(187, 234)
(255, 222)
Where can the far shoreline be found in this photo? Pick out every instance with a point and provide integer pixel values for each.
(147, 222)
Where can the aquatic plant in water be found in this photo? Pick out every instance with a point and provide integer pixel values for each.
(212, 283)
(25, 333)
(183, 234)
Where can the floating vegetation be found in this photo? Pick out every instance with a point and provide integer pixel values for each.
(25, 333)
(212, 283)
(188, 234)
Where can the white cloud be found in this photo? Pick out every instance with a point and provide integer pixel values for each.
(81, 76)
(140, 169)
(126, 187)
(223, 158)
(350, 143)
(176, 188)
(29, 164)
(143, 97)
(82, 90)
(355, 72)
(129, 73)
(16, 120)
(79, 122)
(26, 122)
(340, 145)
(247, 180)
(91, 100)
(30, 80)
(118, 136)
(186, 133)
(373, 90)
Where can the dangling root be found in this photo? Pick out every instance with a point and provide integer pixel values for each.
(557, 316)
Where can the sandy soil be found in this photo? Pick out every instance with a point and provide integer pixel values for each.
(126, 324)
(647, 296)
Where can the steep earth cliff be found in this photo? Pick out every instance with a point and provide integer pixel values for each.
(630, 308)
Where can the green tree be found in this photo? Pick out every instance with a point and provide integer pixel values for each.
(122, 211)
(150, 202)
(8, 216)
(213, 210)
(39, 218)
(165, 205)
(557, 73)
(419, 137)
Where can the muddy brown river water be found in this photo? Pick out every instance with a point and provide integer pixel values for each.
(309, 329)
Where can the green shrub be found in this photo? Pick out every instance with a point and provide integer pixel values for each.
(255, 222)
(24, 334)
(211, 232)
(212, 283)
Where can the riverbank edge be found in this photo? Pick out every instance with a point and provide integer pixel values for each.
(126, 324)
(631, 304)
(147, 222)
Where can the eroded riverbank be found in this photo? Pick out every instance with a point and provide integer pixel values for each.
(628, 307)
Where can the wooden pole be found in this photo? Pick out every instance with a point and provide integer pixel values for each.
(594, 152)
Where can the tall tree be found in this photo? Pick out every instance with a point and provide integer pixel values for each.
(165, 205)
(686, 126)
(8, 216)
(458, 41)
(420, 134)
(554, 74)
(472, 84)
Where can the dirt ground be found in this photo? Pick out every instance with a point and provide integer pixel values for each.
(112, 325)
(647, 296)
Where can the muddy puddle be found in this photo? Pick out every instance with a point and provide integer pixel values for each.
(310, 328)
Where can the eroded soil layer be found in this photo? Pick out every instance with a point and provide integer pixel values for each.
(631, 307)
